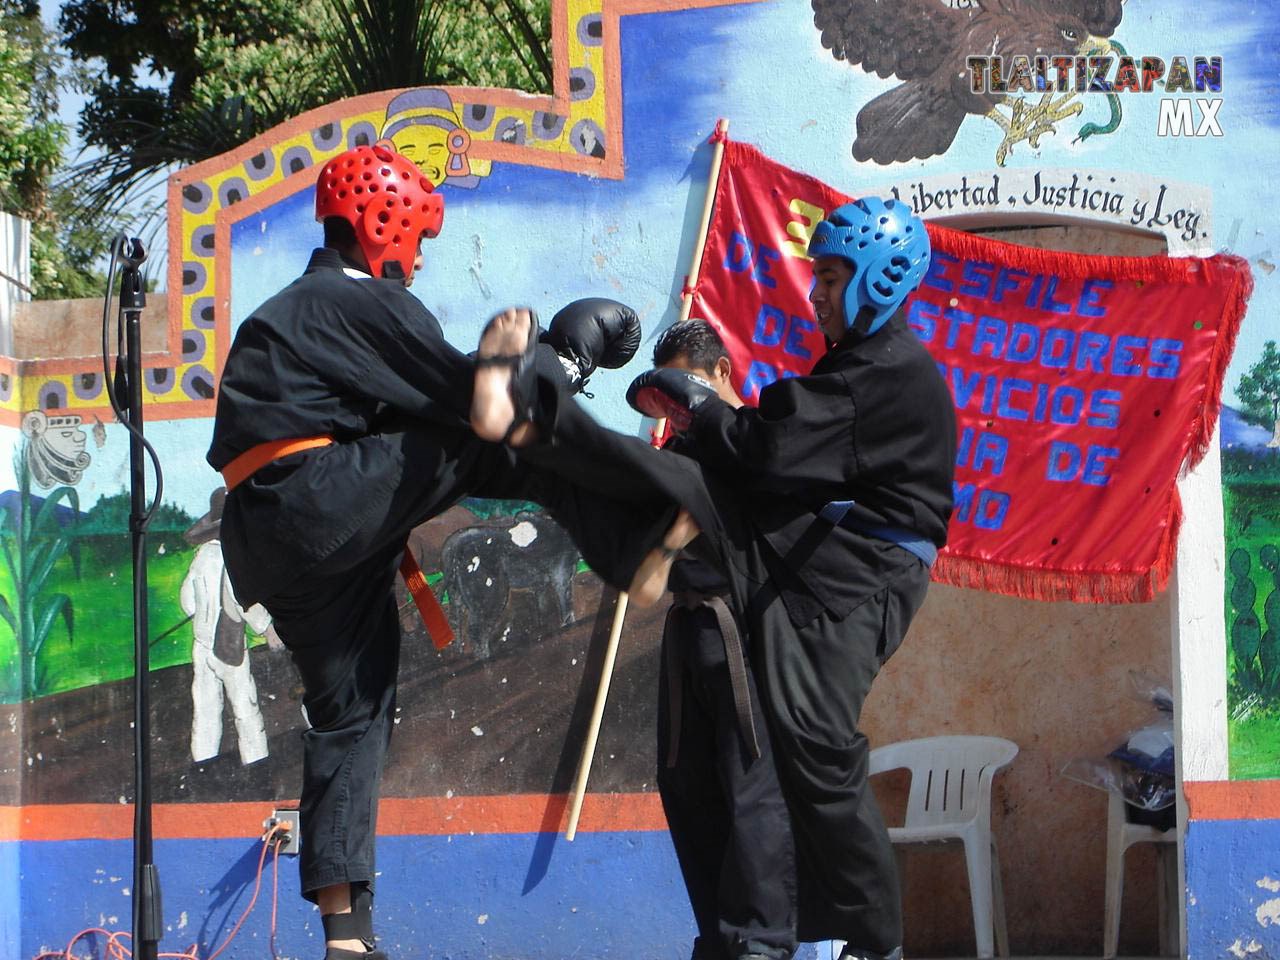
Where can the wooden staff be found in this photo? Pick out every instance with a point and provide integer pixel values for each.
(597, 715)
(691, 281)
(620, 612)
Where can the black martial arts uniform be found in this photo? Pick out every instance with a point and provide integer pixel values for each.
(720, 792)
(823, 604)
(317, 536)
(873, 423)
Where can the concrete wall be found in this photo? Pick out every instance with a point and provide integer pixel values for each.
(1053, 678)
(15, 264)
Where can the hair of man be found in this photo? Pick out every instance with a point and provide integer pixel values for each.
(696, 340)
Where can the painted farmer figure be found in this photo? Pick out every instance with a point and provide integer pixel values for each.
(824, 508)
(845, 477)
(341, 425)
(219, 657)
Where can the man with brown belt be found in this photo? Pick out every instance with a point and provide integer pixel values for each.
(716, 775)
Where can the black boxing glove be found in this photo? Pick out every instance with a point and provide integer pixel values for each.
(594, 332)
(671, 393)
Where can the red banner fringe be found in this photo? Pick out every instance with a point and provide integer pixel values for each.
(1074, 586)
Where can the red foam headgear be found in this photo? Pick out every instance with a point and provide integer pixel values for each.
(385, 198)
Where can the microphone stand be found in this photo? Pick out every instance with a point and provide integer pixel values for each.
(147, 915)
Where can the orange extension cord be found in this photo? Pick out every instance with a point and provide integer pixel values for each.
(116, 949)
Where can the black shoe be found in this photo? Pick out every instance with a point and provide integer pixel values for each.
(853, 953)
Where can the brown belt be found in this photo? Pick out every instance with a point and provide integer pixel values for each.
(255, 458)
(735, 659)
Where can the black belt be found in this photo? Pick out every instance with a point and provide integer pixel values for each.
(735, 659)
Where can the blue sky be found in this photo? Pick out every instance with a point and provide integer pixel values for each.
(70, 103)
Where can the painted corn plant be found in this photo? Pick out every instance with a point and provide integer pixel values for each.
(33, 540)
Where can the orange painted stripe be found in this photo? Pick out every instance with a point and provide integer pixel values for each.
(1233, 799)
(423, 816)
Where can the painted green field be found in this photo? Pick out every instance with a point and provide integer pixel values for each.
(101, 649)
(1252, 508)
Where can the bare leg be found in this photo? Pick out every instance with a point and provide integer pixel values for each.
(492, 406)
(337, 899)
(650, 580)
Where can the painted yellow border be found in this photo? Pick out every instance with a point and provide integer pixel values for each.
(321, 134)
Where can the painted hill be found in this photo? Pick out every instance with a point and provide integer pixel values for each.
(1236, 433)
(10, 499)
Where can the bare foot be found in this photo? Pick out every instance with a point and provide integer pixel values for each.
(492, 407)
(355, 946)
(650, 580)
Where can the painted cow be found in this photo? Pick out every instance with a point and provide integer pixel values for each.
(483, 565)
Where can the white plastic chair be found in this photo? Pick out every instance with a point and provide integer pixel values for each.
(1121, 835)
(950, 800)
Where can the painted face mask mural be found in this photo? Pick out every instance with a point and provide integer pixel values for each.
(55, 454)
(425, 128)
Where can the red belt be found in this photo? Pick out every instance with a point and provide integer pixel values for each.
(255, 458)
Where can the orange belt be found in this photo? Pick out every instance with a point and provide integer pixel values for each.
(255, 458)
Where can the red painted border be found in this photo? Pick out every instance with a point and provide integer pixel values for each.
(517, 813)
(1233, 799)
(423, 816)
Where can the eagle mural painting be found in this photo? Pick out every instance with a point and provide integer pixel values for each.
(925, 44)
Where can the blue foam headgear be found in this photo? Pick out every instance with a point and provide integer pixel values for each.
(888, 247)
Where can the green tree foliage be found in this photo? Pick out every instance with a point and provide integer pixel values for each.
(32, 141)
(340, 48)
(1259, 389)
(31, 145)
(505, 43)
(177, 81)
(110, 517)
(1256, 652)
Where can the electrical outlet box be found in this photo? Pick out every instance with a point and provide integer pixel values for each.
(291, 819)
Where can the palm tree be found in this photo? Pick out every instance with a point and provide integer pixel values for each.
(354, 47)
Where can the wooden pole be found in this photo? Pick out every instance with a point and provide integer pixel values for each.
(620, 612)
(695, 268)
(597, 716)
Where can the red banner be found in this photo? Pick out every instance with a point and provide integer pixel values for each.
(1082, 383)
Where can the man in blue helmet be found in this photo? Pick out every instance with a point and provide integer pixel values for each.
(845, 475)
(824, 506)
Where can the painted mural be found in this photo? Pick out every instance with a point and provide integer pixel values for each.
(1251, 498)
(931, 46)
(597, 189)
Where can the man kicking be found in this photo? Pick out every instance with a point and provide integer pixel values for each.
(341, 425)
